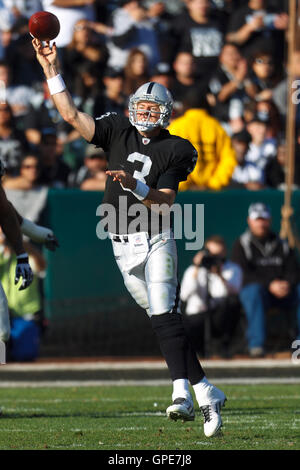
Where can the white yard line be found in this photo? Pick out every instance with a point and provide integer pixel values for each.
(155, 365)
(153, 400)
(120, 383)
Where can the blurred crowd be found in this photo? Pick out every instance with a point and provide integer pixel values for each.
(224, 62)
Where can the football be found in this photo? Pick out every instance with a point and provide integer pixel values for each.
(44, 25)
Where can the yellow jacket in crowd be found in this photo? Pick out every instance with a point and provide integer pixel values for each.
(216, 157)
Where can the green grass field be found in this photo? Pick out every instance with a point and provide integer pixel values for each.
(133, 418)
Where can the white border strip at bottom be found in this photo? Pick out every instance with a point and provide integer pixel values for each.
(119, 383)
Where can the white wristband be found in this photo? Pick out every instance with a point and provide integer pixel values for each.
(141, 191)
(35, 232)
(56, 84)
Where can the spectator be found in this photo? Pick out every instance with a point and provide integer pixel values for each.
(13, 143)
(216, 157)
(261, 149)
(22, 8)
(184, 79)
(229, 86)
(29, 174)
(21, 58)
(91, 176)
(249, 111)
(210, 287)
(42, 114)
(87, 86)
(264, 75)
(84, 48)
(161, 19)
(24, 191)
(68, 13)
(270, 275)
(246, 174)
(198, 32)
(25, 307)
(275, 170)
(255, 25)
(6, 30)
(132, 28)
(54, 172)
(136, 71)
(19, 97)
(112, 99)
(267, 111)
(162, 74)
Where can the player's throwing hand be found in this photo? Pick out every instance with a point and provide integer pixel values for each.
(46, 55)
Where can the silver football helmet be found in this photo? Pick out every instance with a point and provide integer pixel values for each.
(156, 93)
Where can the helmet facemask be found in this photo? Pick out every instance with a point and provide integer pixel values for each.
(161, 97)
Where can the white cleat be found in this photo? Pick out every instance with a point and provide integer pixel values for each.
(213, 400)
(182, 408)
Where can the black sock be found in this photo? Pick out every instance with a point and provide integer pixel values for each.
(179, 355)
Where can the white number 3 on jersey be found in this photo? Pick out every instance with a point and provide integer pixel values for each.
(147, 163)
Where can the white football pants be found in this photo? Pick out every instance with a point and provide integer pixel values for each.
(149, 273)
(4, 316)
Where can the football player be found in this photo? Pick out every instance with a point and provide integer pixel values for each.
(13, 226)
(146, 164)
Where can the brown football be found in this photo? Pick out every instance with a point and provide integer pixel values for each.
(44, 25)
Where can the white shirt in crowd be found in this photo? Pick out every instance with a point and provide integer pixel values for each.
(260, 154)
(145, 38)
(248, 173)
(19, 97)
(67, 17)
(194, 290)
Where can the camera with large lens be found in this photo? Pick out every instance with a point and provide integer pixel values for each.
(209, 260)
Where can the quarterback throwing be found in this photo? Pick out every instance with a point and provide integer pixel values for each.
(146, 164)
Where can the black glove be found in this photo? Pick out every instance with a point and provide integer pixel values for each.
(23, 270)
(51, 242)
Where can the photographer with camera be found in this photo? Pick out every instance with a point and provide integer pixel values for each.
(210, 288)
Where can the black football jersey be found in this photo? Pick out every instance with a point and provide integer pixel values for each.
(160, 162)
